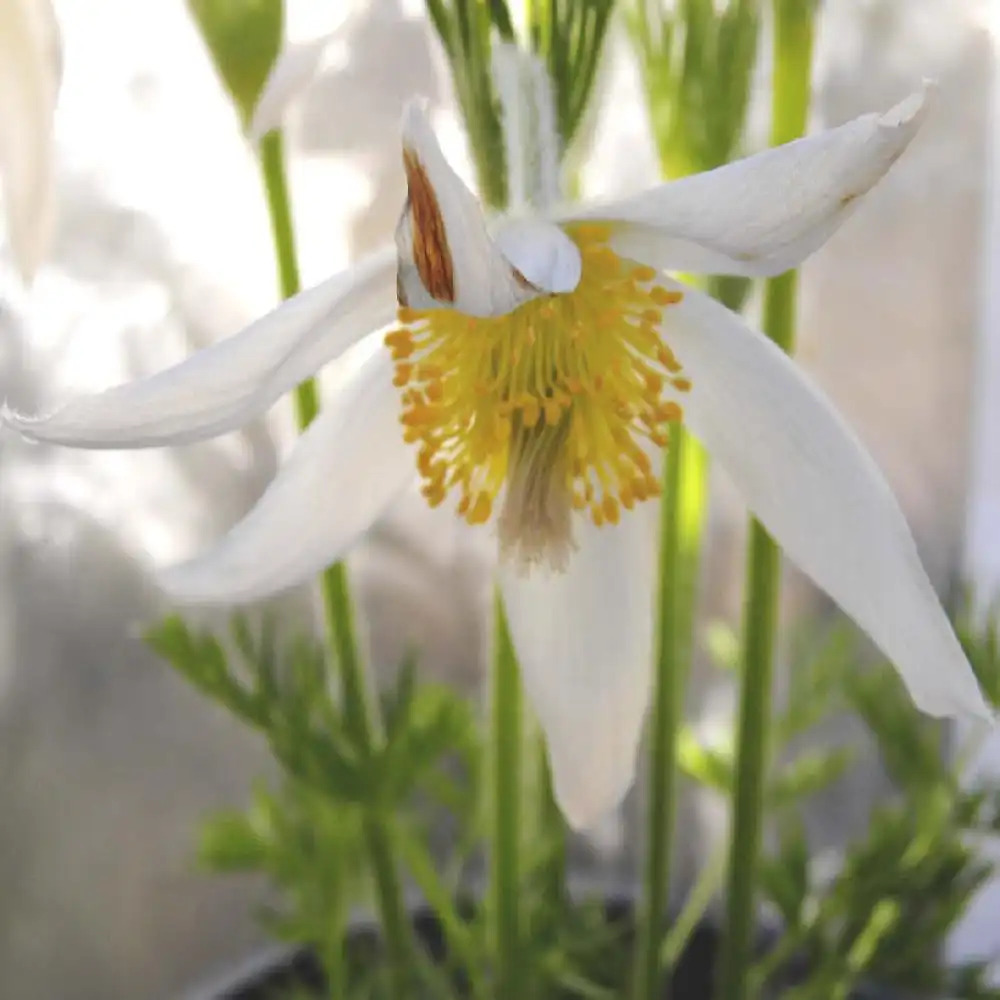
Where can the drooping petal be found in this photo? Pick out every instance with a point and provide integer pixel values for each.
(343, 472)
(446, 255)
(223, 386)
(764, 214)
(583, 641)
(30, 69)
(804, 474)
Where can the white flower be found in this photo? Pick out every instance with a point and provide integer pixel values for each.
(302, 59)
(529, 373)
(29, 85)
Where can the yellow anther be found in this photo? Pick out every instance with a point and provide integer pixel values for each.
(433, 493)
(553, 411)
(644, 273)
(416, 416)
(425, 458)
(667, 358)
(681, 384)
(654, 382)
(664, 296)
(609, 506)
(398, 338)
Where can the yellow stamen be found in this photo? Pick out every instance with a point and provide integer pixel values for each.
(554, 402)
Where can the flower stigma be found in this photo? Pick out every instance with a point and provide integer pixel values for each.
(551, 404)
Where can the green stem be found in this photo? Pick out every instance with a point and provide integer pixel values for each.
(505, 887)
(664, 722)
(336, 602)
(760, 627)
(793, 34)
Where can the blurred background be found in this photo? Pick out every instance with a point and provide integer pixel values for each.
(107, 760)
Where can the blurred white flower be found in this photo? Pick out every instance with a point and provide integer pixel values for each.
(30, 69)
(303, 57)
(533, 368)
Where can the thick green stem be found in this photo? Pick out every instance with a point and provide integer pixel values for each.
(505, 784)
(793, 34)
(337, 612)
(665, 718)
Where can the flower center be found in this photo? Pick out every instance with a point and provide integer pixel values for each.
(554, 401)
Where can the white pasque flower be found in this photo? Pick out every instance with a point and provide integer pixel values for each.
(29, 85)
(530, 371)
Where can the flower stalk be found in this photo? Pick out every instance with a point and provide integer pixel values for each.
(696, 115)
(793, 38)
(506, 785)
(336, 602)
(665, 718)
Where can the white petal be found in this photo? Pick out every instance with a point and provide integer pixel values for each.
(343, 472)
(584, 640)
(445, 250)
(294, 71)
(29, 85)
(764, 214)
(542, 252)
(804, 474)
(223, 386)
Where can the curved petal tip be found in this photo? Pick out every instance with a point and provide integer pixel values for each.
(413, 121)
(912, 109)
(589, 784)
(30, 428)
(764, 214)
